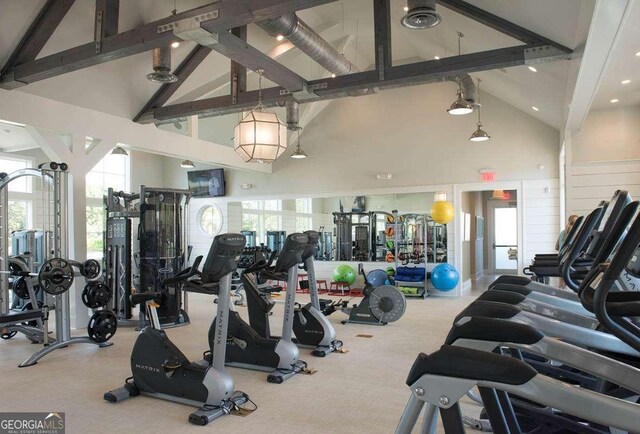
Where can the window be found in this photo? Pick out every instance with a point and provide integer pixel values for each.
(20, 210)
(9, 165)
(303, 206)
(261, 216)
(95, 228)
(304, 217)
(210, 220)
(112, 171)
(19, 213)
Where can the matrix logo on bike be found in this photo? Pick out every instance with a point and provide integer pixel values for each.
(32, 423)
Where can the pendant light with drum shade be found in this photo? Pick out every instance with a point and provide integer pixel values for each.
(260, 137)
(479, 135)
(460, 106)
(298, 154)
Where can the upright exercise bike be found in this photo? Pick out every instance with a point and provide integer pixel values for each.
(161, 370)
(248, 349)
(311, 328)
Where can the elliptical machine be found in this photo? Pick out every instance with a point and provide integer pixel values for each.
(311, 328)
(161, 370)
(246, 348)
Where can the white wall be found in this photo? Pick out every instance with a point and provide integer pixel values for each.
(407, 132)
(541, 205)
(608, 135)
(603, 157)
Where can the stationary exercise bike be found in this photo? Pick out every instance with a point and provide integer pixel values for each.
(310, 326)
(246, 348)
(161, 370)
(380, 305)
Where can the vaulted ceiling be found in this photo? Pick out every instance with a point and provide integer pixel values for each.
(120, 87)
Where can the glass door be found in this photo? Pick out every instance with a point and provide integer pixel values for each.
(505, 239)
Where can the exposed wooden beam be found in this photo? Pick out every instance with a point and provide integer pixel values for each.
(215, 17)
(107, 14)
(238, 73)
(382, 29)
(499, 24)
(183, 71)
(39, 33)
(404, 75)
(239, 51)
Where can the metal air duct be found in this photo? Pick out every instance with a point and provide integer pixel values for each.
(162, 66)
(293, 115)
(309, 42)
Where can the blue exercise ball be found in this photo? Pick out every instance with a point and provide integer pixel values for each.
(378, 278)
(444, 277)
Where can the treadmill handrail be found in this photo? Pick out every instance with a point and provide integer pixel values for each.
(621, 327)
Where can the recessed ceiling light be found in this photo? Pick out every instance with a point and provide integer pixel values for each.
(333, 76)
(406, 8)
(436, 57)
(613, 101)
(638, 54)
(279, 37)
(535, 108)
(625, 82)
(175, 44)
(532, 69)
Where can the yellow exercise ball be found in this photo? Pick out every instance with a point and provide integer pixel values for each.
(442, 212)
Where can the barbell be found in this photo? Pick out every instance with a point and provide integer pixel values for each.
(56, 275)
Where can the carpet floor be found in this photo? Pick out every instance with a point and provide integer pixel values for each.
(362, 391)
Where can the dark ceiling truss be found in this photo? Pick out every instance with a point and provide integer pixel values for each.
(38, 33)
(221, 26)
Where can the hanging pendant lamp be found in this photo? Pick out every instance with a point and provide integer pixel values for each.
(260, 137)
(299, 154)
(479, 135)
(460, 106)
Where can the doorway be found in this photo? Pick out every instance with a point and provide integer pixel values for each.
(503, 237)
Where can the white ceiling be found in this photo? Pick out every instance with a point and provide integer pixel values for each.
(120, 87)
(623, 64)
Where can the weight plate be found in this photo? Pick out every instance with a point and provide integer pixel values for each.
(387, 303)
(102, 326)
(55, 276)
(19, 288)
(90, 268)
(95, 295)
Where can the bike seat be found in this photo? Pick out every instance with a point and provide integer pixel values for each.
(197, 286)
(460, 362)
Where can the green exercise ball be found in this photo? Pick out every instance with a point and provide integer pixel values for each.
(344, 273)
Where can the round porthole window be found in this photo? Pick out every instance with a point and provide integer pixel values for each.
(210, 220)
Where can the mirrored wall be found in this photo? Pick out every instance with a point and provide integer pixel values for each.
(393, 228)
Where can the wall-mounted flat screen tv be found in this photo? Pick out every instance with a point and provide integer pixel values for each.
(206, 183)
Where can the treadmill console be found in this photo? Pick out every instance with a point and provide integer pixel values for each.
(291, 253)
(223, 256)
